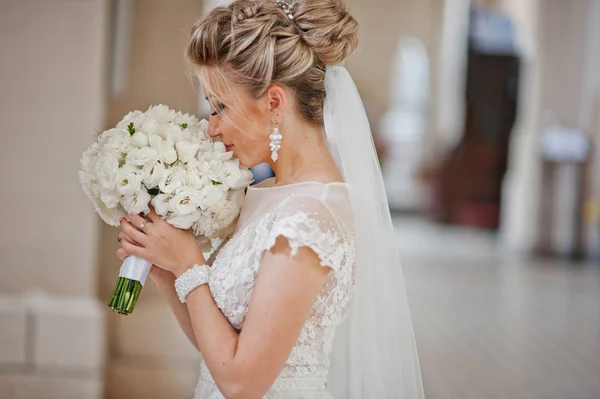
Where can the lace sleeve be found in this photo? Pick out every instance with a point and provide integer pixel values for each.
(308, 222)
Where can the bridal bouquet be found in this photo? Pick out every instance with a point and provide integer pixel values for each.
(165, 159)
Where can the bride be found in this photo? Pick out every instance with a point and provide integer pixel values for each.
(307, 298)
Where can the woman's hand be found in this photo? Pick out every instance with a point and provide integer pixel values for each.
(155, 240)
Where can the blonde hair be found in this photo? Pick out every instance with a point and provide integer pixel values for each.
(253, 43)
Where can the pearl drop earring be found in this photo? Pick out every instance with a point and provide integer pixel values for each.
(275, 143)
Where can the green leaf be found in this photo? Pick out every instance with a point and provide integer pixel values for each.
(131, 128)
(183, 126)
(216, 183)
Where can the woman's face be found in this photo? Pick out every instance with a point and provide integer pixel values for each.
(243, 124)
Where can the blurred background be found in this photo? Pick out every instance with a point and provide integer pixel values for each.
(486, 119)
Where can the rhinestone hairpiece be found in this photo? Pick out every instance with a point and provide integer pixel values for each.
(287, 6)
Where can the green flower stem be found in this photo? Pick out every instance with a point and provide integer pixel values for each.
(125, 295)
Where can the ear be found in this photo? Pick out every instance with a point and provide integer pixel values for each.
(276, 98)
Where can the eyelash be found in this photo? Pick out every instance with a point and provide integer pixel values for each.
(218, 109)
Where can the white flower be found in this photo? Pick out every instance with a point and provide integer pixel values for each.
(141, 156)
(210, 196)
(194, 176)
(203, 226)
(130, 180)
(172, 180)
(140, 139)
(183, 221)
(161, 204)
(185, 201)
(165, 148)
(213, 170)
(111, 216)
(87, 180)
(137, 203)
(106, 169)
(153, 174)
(236, 177)
(219, 147)
(224, 214)
(203, 126)
(130, 117)
(119, 140)
(161, 114)
(88, 159)
(186, 150)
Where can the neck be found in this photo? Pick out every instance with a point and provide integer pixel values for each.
(303, 155)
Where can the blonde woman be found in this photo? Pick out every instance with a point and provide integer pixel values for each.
(307, 298)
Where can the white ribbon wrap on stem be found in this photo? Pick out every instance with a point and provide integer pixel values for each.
(135, 268)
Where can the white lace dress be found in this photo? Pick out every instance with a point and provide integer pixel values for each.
(308, 214)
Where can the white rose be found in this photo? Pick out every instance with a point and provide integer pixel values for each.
(136, 203)
(166, 150)
(107, 168)
(172, 180)
(141, 156)
(153, 174)
(210, 196)
(161, 204)
(186, 150)
(140, 139)
(111, 216)
(129, 180)
(110, 198)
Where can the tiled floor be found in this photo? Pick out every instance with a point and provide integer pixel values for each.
(489, 326)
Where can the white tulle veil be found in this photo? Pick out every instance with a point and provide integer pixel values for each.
(375, 354)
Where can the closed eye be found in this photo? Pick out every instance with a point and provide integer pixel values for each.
(218, 109)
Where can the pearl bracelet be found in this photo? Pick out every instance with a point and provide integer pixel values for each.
(190, 280)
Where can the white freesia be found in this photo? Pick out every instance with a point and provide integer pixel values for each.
(173, 179)
(141, 156)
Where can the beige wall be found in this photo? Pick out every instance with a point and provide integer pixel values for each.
(51, 104)
(382, 24)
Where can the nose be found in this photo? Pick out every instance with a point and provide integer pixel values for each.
(213, 126)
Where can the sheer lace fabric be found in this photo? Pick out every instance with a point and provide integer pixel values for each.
(313, 215)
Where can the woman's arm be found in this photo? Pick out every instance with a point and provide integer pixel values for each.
(245, 365)
(166, 284)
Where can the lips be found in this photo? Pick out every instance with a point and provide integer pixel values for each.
(229, 147)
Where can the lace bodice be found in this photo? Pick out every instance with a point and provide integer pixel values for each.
(310, 214)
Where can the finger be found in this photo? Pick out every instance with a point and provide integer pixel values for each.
(135, 235)
(138, 221)
(153, 216)
(122, 254)
(125, 236)
(134, 249)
